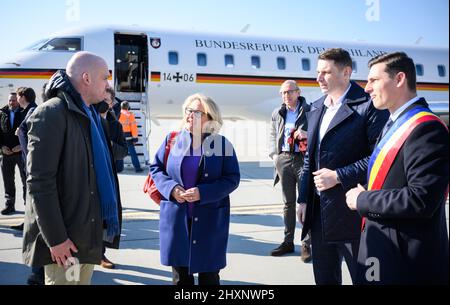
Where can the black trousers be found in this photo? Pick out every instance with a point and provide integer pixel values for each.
(327, 257)
(8, 166)
(181, 276)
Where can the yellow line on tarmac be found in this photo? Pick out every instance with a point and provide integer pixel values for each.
(154, 215)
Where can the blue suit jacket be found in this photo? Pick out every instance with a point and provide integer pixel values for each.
(346, 148)
(204, 249)
(405, 227)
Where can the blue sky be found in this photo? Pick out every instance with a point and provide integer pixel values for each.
(398, 22)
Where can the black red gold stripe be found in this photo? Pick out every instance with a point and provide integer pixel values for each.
(231, 79)
(204, 78)
(251, 80)
(156, 76)
(32, 73)
(27, 73)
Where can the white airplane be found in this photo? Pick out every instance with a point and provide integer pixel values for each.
(155, 70)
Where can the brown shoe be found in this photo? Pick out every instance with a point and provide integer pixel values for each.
(306, 253)
(106, 263)
(282, 249)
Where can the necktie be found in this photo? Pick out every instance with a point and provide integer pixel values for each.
(387, 127)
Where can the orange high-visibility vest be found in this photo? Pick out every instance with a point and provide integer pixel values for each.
(128, 122)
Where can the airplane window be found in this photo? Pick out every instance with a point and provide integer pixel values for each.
(281, 63)
(201, 59)
(36, 45)
(256, 62)
(419, 70)
(229, 61)
(441, 70)
(354, 67)
(173, 58)
(306, 65)
(62, 44)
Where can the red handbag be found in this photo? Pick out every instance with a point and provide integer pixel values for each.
(149, 185)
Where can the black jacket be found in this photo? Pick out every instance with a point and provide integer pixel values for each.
(23, 128)
(7, 134)
(61, 182)
(119, 145)
(405, 226)
(346, 148)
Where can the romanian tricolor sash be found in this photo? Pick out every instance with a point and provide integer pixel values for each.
(387, 149)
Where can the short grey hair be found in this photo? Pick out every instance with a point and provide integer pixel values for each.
(290, 82)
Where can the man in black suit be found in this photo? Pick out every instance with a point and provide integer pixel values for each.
(343, 127)
(10, 119)
(404, 238)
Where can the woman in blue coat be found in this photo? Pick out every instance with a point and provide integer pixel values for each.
(201, 171)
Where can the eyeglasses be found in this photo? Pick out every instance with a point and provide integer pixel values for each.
(288, 92)
(188, 111)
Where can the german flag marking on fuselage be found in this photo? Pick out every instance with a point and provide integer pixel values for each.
(32, 73)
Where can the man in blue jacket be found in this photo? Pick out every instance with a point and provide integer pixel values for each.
(343, 128)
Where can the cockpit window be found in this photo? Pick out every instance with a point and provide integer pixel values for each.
(62, 44)
(36, 45)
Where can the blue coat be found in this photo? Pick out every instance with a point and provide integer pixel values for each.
(205, 249)
(346, 148)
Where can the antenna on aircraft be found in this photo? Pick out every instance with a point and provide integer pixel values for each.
(245, 28)
(419, 40)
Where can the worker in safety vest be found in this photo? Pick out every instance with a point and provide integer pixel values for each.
(130, 132)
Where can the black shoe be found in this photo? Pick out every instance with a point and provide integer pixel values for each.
(284, 248)
(8, 210)
(35, 279)
(18, 227)
(106, 263)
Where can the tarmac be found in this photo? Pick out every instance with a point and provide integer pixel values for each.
(256, 228)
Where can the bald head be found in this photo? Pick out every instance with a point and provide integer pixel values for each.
(83, 62)
(89, 74)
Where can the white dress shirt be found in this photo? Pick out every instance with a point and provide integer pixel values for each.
(330, 112)
(399, 111)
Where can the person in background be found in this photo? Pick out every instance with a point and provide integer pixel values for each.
(10, 119)
(119, 144)
(287, 129)
(119, 151)
(26, 98)
(27, 101)
(130, 130)
(201, 172)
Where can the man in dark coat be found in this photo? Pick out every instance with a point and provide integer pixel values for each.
(27, 101)
(71, 183)
(343, 127)
(10, 119)
(119, 150)
(26, 98)
(404, 238)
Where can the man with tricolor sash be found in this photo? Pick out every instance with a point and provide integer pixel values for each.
(404, 237)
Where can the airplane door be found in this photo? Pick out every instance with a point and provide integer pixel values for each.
(131, 62)
(131, 82)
